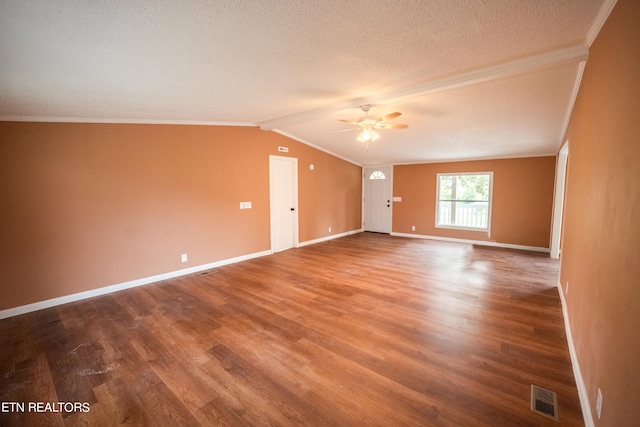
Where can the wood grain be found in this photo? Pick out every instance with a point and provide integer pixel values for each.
(364, 330)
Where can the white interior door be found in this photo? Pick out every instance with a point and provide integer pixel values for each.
(377, 199)
(283, 189)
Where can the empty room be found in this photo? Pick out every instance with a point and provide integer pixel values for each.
(320, 213)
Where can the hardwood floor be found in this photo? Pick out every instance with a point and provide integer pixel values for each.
(364, 330)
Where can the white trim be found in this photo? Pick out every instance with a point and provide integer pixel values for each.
(48, 119)
(473, 242)
(475, 159)
(305, 142)
(577, 373)
(572, 99)
(121, 286)
(601, 18)
(331, 237)
(558, 200)
(507, 69)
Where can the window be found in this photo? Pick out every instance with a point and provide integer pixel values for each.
(377, 175)
(464, 200)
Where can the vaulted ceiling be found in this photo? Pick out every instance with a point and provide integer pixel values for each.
(473, 79)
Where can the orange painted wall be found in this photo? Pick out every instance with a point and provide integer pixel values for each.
(84, 206)
(601, 237)
(522, 199)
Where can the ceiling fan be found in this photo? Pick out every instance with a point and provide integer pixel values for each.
(368, 124)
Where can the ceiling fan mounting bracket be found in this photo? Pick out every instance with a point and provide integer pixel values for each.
(366, 108)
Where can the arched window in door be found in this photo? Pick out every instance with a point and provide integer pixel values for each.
(377, 175)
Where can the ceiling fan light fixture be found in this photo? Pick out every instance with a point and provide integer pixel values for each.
(368, 135)
(368, 123)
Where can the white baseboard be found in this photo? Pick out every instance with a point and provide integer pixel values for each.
(331, 237)
(577, 373)
(16, 311)
(120, 286)
(473, 242)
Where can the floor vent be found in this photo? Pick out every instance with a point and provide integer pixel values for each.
(204, 273)
(544, 402)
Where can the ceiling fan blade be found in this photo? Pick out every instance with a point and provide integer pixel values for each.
(391, 116)
(348, 121)
(346, 130)
(391, 126)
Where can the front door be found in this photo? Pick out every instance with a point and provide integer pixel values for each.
(377, 199)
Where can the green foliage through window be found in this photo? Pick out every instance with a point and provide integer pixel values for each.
(463, 200)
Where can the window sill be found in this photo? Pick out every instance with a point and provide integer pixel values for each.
(453, 227)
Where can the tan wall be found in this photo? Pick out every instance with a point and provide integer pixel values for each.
(601, 243)
(522, 199)
(90, 205)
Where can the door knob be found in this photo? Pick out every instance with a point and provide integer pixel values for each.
(293, 209)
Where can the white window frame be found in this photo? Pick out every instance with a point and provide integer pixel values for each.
(489, 209)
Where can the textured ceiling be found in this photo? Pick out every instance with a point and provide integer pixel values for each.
(473, 79)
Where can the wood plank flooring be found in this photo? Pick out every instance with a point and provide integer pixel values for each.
(366, 330)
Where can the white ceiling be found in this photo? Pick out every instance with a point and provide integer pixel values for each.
(473, 79)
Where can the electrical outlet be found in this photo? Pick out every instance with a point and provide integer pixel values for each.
(329, 229)
(599, 404)
(413, 228)
(184, 257)
(566, 288)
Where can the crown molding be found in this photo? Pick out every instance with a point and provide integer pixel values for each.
(317, 147)
(476, 159)
(50, 119)
(601, 18)
(507, 69)
(572, 102)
